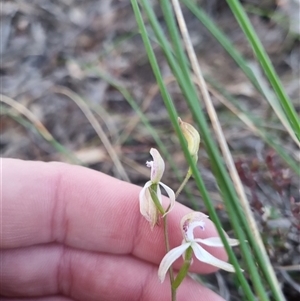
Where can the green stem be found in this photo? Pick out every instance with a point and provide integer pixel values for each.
(153, 189)
(171, 272)
(155, 199)
(188, 175)
(184, 269)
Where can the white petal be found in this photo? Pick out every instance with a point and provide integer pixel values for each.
(216, 241)
(190, 221)
(192, 226)
(194, 216)
(145, 199)
(142, 195)
(147, 206)
(171, 195)
(157, 166)
(169, 258)
(204, 256)
(158, 193)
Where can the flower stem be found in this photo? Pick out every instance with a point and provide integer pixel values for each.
(155, 199)
(171, 273)
(188, 175)
(184, 269)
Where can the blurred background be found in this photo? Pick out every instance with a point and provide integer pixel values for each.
(77, 87)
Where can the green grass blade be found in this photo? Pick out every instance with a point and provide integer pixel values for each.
(54, 143)
(251, 121)
(198, 178)
(241, 62)
(221, 175)
(152, 131)
(223, 40)
(224, 182)
(266, 64)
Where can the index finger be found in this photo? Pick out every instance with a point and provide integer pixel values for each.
(82, 208)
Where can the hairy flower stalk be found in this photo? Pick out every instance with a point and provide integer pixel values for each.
(191, 245)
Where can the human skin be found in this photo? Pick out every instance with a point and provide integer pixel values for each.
(71, 233)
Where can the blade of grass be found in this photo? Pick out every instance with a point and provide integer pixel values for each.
(275, 105)
(112, 128)
(142, 108)
(149, 127)
(223, 40)
(241, 62)
(223, 182)
(173, 116)
(36, 125)
(95, 124)
(224, 147)
(253, 123)
(266, 64)
(217, 165)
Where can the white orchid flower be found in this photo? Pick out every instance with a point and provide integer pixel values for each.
(188, 223)
(147, 206)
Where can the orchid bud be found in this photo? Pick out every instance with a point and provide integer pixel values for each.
(192, 137)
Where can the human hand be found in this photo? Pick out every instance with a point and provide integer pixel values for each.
(70, 233)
